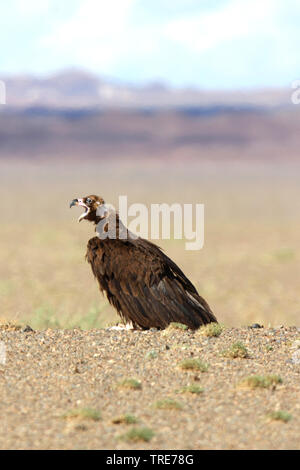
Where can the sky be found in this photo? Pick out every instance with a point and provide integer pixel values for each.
(224, 44)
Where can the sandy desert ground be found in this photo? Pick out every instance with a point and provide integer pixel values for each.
(107, 389)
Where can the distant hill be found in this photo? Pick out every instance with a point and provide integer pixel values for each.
(77, 114)
(189, 133)
(76, 88)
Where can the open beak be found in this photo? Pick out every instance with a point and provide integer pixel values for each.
(74, 203)
(79, 202)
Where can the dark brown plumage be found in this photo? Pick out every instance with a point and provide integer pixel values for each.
(144, 285)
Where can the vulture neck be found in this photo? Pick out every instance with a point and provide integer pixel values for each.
(112, 227)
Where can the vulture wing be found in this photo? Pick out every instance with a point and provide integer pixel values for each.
(144, 285)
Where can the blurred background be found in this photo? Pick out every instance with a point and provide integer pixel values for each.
(165, 101)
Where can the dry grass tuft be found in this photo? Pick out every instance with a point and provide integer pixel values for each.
(211, 329)
(195, 389)
(151, 354)
(168, 404)
(193, 365)
(125, 419)
(130, 383)
(260, 381)
(137, 434)
(83, 414)
(280, 415)
(237, 349)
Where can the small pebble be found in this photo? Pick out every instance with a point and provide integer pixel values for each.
(256, 325)
(27, 329)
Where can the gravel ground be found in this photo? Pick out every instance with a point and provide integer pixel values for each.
(48, 373)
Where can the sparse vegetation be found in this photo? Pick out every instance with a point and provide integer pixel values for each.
(280, 415)
(193, 364)
(137, 434)
(130, 384)
(151, 354)
(82, 414)
(125, 419)
(237, 349)
(46, 360)
(284, 255)
(168, 404)
(260, 381)
(211, 329)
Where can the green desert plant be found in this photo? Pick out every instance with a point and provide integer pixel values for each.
(211, 329)
(191, 389)
(193, 364)
(260, 381)
(137, 434)
(280, 415)
(83, 413)
(125, 419)
(237, 349)
(130, 383)
(168, 404)
(151, 354)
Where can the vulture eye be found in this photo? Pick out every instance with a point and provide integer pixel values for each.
(88, 201)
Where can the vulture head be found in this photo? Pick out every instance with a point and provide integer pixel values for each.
(94, 208)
